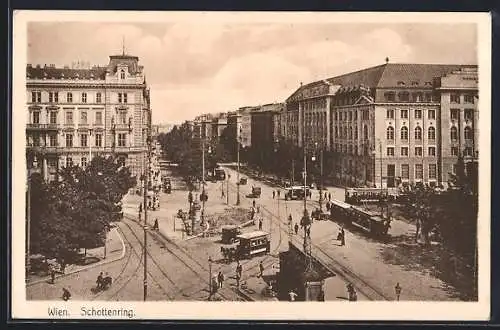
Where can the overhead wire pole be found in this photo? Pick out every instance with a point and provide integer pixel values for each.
(146, 188)
(238, 160)
(307, 220)
(203, 178)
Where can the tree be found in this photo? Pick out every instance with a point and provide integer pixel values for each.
(75, 212)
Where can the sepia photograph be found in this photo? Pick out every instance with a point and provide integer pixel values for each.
(254, 165)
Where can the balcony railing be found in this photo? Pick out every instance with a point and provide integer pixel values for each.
(32, 126)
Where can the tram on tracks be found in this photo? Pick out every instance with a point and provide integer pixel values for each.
(370, 222)
(247, 245)
(370, 195)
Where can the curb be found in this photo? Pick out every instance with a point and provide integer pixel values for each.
(84, 268)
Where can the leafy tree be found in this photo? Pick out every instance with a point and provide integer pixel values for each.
(75, 212)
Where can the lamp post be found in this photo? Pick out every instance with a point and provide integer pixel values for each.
(146, 186)
(210, 277)
(227, 188)
(238, 172)
(321, 176)
(28, 218)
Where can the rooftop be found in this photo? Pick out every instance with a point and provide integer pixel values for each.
(391, 75)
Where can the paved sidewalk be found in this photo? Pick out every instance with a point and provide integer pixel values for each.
(364, 258)
(115, 250)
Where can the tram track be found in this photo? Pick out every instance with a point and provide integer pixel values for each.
(118, 277)
(364, 287)
(188, 262)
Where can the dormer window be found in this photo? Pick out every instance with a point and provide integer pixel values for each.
(122, 74)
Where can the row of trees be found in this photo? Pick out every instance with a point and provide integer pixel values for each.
(452, 214)
(75, 212)
(181, 147)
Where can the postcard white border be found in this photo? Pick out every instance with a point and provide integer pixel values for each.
(437, 311)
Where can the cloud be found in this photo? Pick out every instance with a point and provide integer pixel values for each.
(203, 66)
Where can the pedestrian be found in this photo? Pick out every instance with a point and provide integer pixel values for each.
(292, 295)
(155, 226)
(66, 294)
(308, 231)
(260, 224)
(261, 267)
(253, 203)
(99, 281)
(252, 213)
(397, 289)
(238, 277)
(351, 292)
(329, 196)
(342, 237)
(417, 231)
(140, 208)
(52, 274)
(296, 228)
(220, 279)
(239, 269)
(279, 194)
(274, 194)
(63, 266)
(223, 194)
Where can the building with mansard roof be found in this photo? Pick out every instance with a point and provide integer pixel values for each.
(389, 124)
(76, 113)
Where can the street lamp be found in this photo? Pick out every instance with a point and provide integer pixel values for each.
(210, 277)
(238, 173)
(321, 175)
(227, 188)
(28, 217)
(146, 175)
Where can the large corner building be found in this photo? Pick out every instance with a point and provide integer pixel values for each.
(79, 112)
(389, 124)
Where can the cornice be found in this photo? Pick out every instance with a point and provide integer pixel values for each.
(65, 85)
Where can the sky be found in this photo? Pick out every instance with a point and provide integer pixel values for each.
(194, 68)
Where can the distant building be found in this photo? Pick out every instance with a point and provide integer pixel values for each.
(389, 124)
(76, 113)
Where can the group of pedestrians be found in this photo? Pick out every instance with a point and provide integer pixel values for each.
(276, 193)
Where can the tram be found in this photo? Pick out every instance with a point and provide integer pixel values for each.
(370, 195)
(247, 245)
(370, 222)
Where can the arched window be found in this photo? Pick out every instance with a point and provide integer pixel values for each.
(431, 133)
(404, 133)
(390, 133)
(122, 74)
(365, 132)
(418, 133)
(454, 133)
(468, 133)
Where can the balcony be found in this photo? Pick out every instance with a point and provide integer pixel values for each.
(43, 149)
(42, 127)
